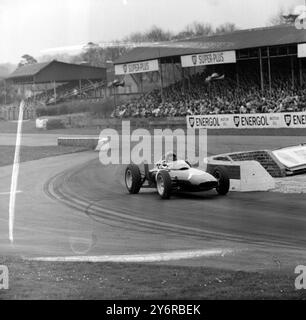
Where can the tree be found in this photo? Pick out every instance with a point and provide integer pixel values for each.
(154, 34)
(94, 55)
(26, 59)
(136, 37)
(115, 51)
(225, 28)
(278, 18)
(202, 29)
(195, 29)
(158, 34)
(98, 55)
(283, 16)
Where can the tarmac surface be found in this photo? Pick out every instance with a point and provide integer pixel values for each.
(72, 205)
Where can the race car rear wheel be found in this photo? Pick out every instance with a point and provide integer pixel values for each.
(223, 181)
(133, 179)
(164, 184)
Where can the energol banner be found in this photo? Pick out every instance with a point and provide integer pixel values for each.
(205, 59)
(248, 121)
(137, 67)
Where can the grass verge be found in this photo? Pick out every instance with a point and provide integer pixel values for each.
(34, 153)
(28, 127)
(45, 280)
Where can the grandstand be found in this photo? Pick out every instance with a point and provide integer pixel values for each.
(248, 71)
(54, 82)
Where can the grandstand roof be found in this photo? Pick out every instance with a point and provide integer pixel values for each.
(237, 40)
(56, 71)
(28, 70)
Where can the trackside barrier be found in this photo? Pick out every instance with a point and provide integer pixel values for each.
(86, 142)
(245, 176)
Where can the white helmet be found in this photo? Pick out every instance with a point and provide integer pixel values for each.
(170, 156)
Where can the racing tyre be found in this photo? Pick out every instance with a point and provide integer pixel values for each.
(164, 184)
(224, 182)
(133, 179)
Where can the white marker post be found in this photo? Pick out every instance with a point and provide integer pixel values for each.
(15, 173)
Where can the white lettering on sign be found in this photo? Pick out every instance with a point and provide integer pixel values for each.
(137, 67)
(205, 59)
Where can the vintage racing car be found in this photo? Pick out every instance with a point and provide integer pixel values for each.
(171, 175)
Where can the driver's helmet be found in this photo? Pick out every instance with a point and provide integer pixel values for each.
(170, 157)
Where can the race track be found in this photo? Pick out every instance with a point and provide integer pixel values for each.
(249, 223)
(72, 205)
(258, 217)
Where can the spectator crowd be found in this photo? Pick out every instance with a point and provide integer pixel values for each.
(197, 96)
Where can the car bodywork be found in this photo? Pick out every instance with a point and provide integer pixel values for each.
(183, 176)
(172, 175)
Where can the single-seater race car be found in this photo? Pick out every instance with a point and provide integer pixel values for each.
(170, 175)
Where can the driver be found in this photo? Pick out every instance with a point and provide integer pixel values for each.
(171, 157)
(167, 161)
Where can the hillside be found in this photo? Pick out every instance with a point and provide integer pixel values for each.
(6, 69)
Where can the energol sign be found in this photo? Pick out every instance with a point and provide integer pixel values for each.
(248, 121)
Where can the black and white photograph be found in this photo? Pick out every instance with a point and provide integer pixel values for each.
(153, 150)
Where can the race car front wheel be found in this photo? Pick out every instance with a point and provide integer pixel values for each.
(164, 184)
(133, 180)
(223, 181)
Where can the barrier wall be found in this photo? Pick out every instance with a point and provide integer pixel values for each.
(245, 176)
(265, 158)
(87, 142)
(85, 120)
